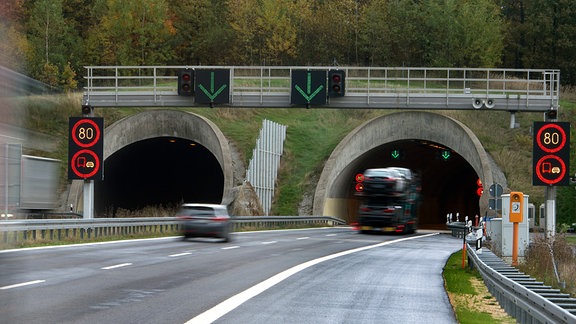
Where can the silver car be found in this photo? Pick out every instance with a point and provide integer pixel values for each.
(205, 220)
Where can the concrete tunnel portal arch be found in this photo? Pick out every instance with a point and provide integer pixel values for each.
(162, 158)
(448, 186)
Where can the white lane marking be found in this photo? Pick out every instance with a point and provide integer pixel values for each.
(180, 254)
(231, 303)
(230, 247)
(303, 238)
(116, 266)
(330, 234)
(269, 242)
(23, 284)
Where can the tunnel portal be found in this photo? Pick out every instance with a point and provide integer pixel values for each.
(445, 153)
(161, 171)
(161, 158)
(448, 183)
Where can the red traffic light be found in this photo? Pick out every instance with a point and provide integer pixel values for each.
(359, 177)
(185, 82)
(359, 187)
(480, 189)
(336, 83)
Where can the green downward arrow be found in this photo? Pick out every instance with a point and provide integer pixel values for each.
(212, 94)
(395, 154)
(308, 95)
(445, 155)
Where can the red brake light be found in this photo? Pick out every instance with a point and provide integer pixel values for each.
(220, 219)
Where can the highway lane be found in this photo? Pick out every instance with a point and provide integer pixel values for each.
(171, 281)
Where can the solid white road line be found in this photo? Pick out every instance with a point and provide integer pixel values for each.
(231, 303)
(22, 284)
(116, 266)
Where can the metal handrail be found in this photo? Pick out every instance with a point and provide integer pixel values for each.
(366, 87)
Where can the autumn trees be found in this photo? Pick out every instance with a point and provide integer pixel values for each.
(52, 40)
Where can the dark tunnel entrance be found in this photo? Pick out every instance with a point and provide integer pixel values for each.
(449, 183)
(160, 171)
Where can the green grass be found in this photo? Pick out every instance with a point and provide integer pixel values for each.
(458, 278)
(458, 283)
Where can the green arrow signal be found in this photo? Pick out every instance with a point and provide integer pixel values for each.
(445, 155)
(308, 95)
(212, 94)
(395, 154)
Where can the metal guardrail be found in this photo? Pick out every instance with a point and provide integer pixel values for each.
(524, 298)
(366, 87)
(59, 229)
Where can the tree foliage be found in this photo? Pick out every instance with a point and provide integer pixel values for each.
(69, 34)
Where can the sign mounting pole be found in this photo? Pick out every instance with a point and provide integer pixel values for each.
(88, 191)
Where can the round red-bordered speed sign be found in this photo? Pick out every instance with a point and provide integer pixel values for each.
(555, 147)
(92, 127)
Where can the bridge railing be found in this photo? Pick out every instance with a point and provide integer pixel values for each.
(366, 87)
(15, 231)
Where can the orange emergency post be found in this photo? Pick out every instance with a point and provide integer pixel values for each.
(516, 216)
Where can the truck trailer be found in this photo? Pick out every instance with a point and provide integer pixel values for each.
(389, 199)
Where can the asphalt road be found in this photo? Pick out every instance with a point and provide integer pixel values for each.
(331, 275)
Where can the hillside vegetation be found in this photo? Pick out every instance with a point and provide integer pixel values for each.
(312, 134)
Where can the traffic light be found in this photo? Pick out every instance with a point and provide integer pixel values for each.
(479, 187)
(186, 82)
(552, 114)
(336, 83)
(359, 182)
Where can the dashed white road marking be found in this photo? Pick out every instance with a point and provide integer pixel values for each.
(330, 234)
(180, 254)
(116, 266)
(303, 238)
(269, 242)
(230, 247)
(22, 284)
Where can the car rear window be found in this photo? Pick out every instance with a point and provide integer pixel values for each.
(197, 211)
